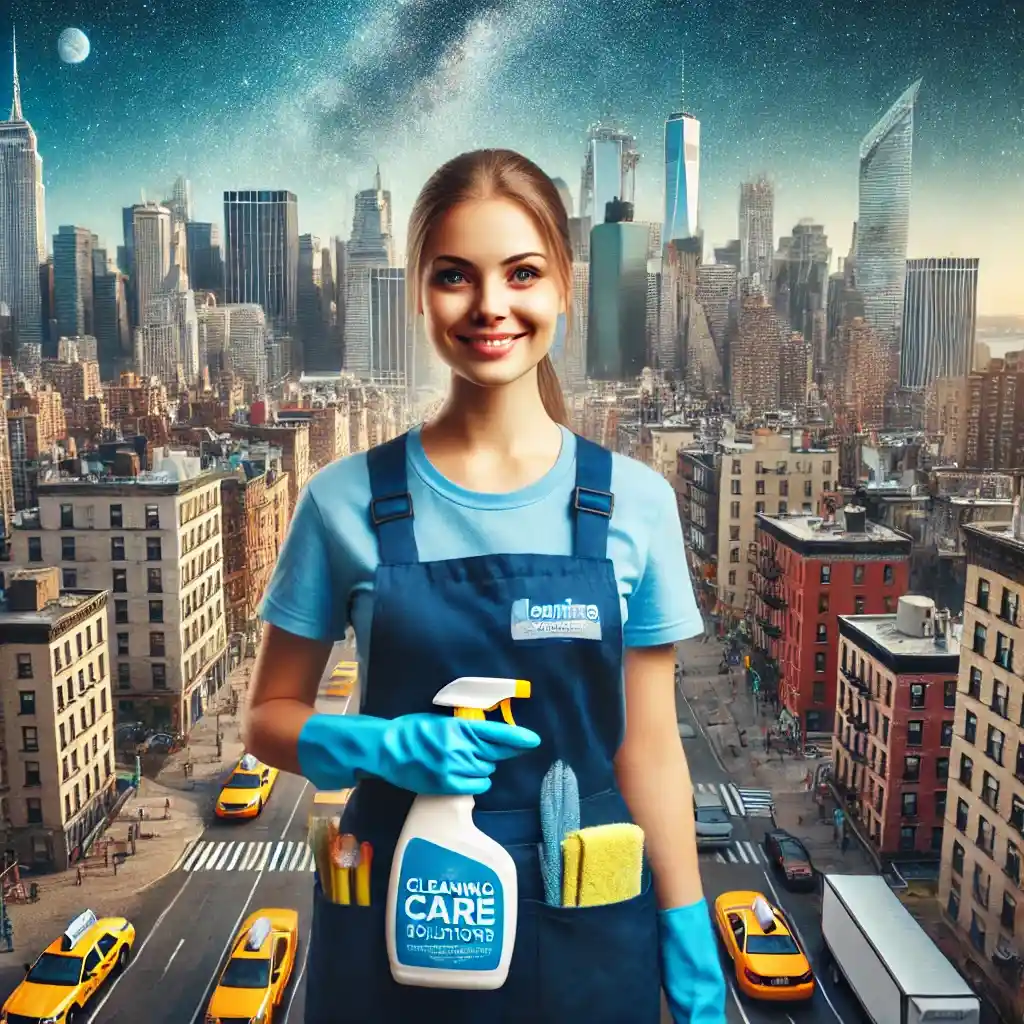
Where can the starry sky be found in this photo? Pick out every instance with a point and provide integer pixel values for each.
(306, 96)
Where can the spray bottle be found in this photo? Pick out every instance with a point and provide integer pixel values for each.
(453, 895)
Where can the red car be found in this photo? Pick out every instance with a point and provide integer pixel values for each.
(789, 857)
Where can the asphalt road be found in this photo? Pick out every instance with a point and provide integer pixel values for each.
(189, 920)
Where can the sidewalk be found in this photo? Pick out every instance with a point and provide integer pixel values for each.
(161, 839)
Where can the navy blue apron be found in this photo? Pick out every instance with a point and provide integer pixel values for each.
(434, 622)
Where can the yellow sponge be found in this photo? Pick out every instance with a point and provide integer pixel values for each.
(602, 864)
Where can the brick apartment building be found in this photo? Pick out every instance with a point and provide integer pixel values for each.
(808, 572)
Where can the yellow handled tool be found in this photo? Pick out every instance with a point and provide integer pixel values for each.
(473, 696)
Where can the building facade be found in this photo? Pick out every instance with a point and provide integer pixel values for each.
(807, 572)
(896, 697)
(58, 726)
(757, 230)
(682, 177)
(155, 541)
(981, 885)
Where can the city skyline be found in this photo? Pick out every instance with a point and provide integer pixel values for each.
(310, 101)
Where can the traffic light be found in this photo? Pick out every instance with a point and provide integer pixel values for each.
(746, 661)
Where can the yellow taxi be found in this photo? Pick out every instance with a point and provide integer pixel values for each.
(256, 975)
(67, 974)
(342, 679)
(247, 790)
(766, 955)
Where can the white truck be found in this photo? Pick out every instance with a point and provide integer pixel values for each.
(897, 973)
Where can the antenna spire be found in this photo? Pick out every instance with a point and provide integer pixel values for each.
(16, 114)
(682, 82)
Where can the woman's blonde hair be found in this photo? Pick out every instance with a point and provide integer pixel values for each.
(498, 173)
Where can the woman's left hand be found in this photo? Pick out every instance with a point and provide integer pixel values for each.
(691, 973)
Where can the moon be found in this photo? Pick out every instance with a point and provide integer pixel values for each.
(73, 46)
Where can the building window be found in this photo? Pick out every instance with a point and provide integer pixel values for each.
(940, 804)
(909, 801)
(116, 517)
(818, 694)
(156, 645)
(980, 886)
(734, 487)
(980, 636)
(1004, 652)
(953, 904)
(32, 777)
(153, 549)
(971, 727)
(34, 810)
(67, 549)
(974, 683)
(736, 468)
(858, 575)
(26, 702)
(156, 611)
(154, 581)
(908, 838)
(977, 933)
(858, 605)
(990, 791)
(946, 735)
(825, 574)
(117, 549)
(121, 613)
(822, 604)
(962, 815)
(808, 489)
(911, 768)
(152, 517)
(35, 549)
(1012, 866)
(783, 508)
(159, 677)
(1008, 913)
(981, 596)
(949, 693)
(122, 645)
(821, 633)
(124, 675)
(120, 581)
(1000, 699)
(734, 510)
(783, 488)
(734, 534)
(819, 661)
(759, 487)
(986, 837)
(966, 771)
(29, 738)
(1009, 606)
(734, 555)
(759, 508)
(67, 517)
(917, 695)
(732, 577)
(942, 769)
(25, 666)
(887, 575)
(994, 744)
(69, 579)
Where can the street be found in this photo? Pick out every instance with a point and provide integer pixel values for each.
(189, 919)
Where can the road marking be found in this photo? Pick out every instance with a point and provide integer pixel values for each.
(736, 1000)
(94, 1010)
(298, 800)
(170, 959)
(298, 980)
(742, 852)
(820, 987)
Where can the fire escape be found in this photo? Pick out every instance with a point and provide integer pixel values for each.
(852, 732)
(769, 611)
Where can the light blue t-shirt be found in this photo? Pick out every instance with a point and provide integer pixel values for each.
(323, 580)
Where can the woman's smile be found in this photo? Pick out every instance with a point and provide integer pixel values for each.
(491, 346)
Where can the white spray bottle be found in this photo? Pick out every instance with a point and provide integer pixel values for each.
(453, 895)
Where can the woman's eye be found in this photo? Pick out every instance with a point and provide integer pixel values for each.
(450, 277)
(523, 275)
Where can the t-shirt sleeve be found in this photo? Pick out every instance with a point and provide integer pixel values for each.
(301, 597)
(662, 608)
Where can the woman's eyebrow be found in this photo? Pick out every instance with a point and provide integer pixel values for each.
(505, 262)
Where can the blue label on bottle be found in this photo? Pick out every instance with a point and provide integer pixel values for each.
(450, 911)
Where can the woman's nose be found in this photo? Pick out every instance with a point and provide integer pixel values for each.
(491, 302)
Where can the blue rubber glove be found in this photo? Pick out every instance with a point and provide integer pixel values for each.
(691, 972)
(425, 753)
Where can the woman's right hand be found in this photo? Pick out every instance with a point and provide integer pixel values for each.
(423, 753)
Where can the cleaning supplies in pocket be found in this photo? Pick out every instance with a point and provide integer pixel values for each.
(602, 864)
(342, 862)
(452, 907)
(559, 815)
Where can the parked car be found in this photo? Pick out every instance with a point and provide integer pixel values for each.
(789, 857)
(714, 826)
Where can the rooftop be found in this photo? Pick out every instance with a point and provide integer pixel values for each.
(1000, 532)
(51, 613)
(813, 528)
(882, 630)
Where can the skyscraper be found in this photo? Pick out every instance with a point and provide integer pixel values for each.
(757, 230)
(883, 215)
(939, 320)
(205, 257)
(72, 281)
(151, 254)
(682, 175)
(609, 170)
(262, 259)
(390, 336)
(22, 221)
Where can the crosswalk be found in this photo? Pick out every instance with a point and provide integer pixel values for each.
(742, 852)
(266, 855)
(740, 802)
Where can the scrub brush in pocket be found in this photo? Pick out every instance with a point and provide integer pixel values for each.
(559, 815)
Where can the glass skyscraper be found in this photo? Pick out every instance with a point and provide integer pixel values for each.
(682, 175)
(883, 218)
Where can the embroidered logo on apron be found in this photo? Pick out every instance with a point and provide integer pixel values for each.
(563, 620)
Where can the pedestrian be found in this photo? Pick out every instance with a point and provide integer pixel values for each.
(443, 548)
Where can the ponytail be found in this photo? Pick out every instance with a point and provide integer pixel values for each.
(551, 392)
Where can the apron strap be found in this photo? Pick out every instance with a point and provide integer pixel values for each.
(592, 499)
(391, 503)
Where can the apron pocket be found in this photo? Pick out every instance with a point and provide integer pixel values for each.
(348, 978)
(599, 965)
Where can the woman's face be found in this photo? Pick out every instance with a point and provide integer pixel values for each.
(489, 295)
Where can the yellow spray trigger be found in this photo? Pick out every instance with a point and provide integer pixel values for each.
(472, 697)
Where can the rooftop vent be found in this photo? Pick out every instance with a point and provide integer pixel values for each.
(915, 616)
